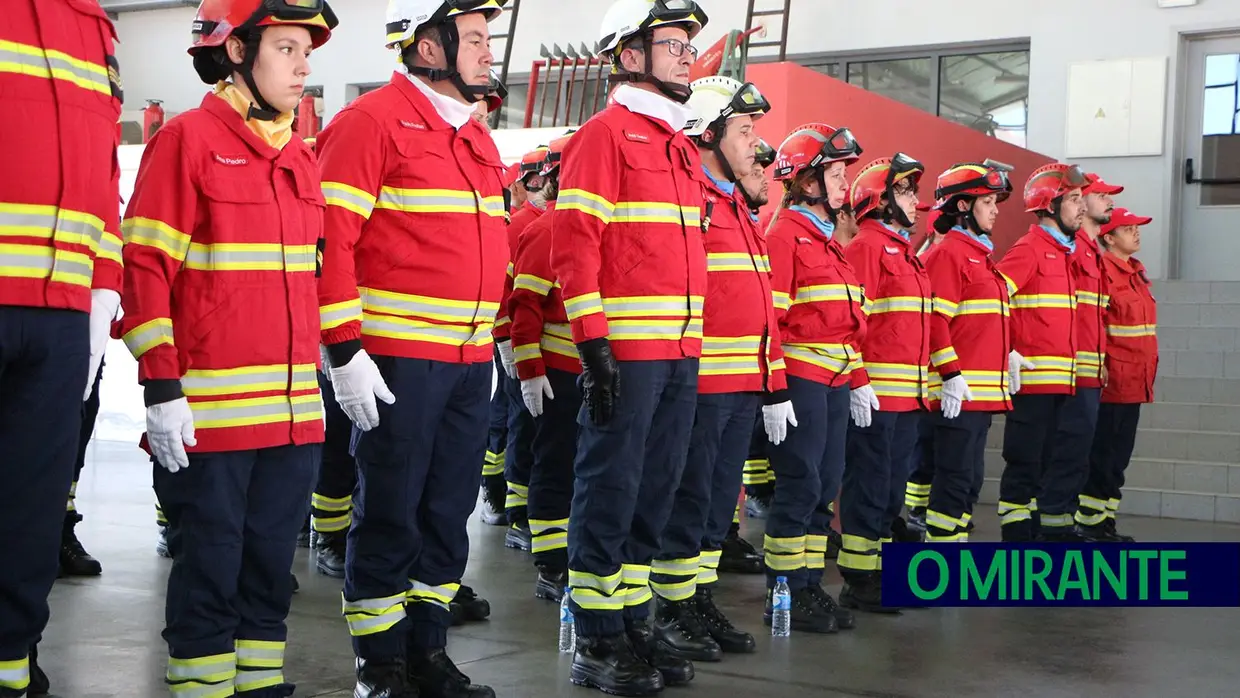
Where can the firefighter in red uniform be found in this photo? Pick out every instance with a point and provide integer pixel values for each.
(627, 250)
(221, 237)
(822, 324)
(519, 432)
(1068, 468)
(889, 393)
(1042, 364)
(412, 278)
(969, 342)
(741, 368)
(547, 366)
(495, 487)
(1131, 363)
(60, 277)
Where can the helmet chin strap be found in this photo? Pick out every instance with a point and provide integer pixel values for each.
(261, 110)
(674, 91)
(451, 41)
(970, 221)
(895, 214)
(1057, 216)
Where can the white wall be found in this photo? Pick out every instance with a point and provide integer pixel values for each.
(1060, 32)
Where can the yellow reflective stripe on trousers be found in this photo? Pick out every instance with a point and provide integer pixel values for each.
(784, 554)
(218, 414)
(816, 552)
(24, 59)
(249, 379)
(635, 584)
(323, 503)
(675, 580)
(440, 595)
(251, 257)
(158, 234)
(148, 335)
(857, 553)
(260, 664)
(349, 198)
(15, 674)
(370, 616)
(595, 593)
(428, 307)
(214, 669)
(336, 314)
(586, 202)
(548, 534)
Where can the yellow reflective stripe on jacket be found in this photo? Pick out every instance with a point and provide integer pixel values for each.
(833, 357)
(983, 306)
(648, 329)
(349, 198)
(655, 212)
(1044, 300)
(217, 414)
(586, 202)
(943, 356)
(654, 306)
(38, 262)
(558, 339)
(249, 379)
(157, 234)
(33, 61)
(454, 335)
(148, 335)
(438, 201)
(529, 282)
(441, 309)
(782, 300)
(900, 304)
(946, 308)
(1131, 330)
(586, 304)
(526, 352)
(251, 257)
(986, 386)
(731, 345)
(50, 222)
(728, 365)
(827, 292)
(736, 261)
(1091, 298)
(336, 314)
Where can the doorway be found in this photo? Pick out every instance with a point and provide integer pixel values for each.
(1210, 198)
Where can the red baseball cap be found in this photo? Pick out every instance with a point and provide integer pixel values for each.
(1121, 217)
(1098, 186)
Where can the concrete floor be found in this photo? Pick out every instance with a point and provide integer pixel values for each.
(104, 636)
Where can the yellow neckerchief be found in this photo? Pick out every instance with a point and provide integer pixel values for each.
(276, 133)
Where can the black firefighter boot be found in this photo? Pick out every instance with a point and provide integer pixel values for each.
(864, 592)
(611, 665)
(730, 639)
(39, 684)
(551, 583)
(674, 670)
(386, 680)
(467, 606)
(494, 490)
(330, 551)
(74, 560)
(680, 632)
(737, 556)
(807, 615)
(435, 676)
(844, 617)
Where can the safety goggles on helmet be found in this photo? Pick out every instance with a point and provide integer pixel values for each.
(669, 11)
(764, 155)
(991, 182)
(747, 100)
(1074, 177)
(840, 145)
(311, 13)
(903, 166)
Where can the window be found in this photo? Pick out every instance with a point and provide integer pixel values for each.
(1221, 87)
(1220, 132)
(986, 89)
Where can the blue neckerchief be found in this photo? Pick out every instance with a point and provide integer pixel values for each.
(984, 239)
(726, 187)
(753, 215)
(827, 228)
(1062, 238)
(899, 231)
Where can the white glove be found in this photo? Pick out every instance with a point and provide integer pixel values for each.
(169, 429)
(532, 392)
(507, 358)
(103, 307)
(356, 385)
(861, 402)
(1015, 363)
(776, 419)
(955, 393)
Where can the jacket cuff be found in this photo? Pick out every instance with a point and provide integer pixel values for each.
(948, 376)
(160, 390)
(858, 378)
(776, 397)
(342, 353)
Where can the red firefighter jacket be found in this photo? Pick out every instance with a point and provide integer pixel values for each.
(740, 348)
(898, 298)
(818, 302)
(970, 332)
(59, 194)
(541, 336)
(220, 250)
(416, 242)
(520, 221)
(1132, 341)
(1091, 303)
(627, 243)
(1039, 273)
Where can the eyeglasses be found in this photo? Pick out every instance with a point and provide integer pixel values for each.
(677, 48)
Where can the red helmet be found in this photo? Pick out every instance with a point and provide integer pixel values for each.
(813, 145)
(1049, 182)
(554, 154)
(877, 178)
(218, 19)
(970, 179)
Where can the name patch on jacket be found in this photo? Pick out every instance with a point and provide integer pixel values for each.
(230, 160)
(891, 250)
(974, 261)
(413, 125)
(1050, 255)
(639, 137)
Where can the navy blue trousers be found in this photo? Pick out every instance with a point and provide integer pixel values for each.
(626, 475)
(417, 484)
(90, 413)
(809, 467)
(1068, 469)
(1113, 443)
(331, 509)
(921, 463)
(1028, 446)
(551, 478)
(959, 463)
(873, 488)
(707, 495)
(233, 520)
(497, 434)
(518, 456)
(44, 359)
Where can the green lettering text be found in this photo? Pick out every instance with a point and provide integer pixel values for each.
(1143, 558)
(944, 576)
(1166, 575)
(1039, 576)
(1102, 568)
(1073, 576)
(970, 578)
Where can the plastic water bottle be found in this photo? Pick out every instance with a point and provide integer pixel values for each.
(781, 609)
(568, 628)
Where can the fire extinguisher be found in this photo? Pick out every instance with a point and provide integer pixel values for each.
(307, 124)
(152, 118)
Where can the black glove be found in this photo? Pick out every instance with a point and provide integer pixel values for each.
(600, 379)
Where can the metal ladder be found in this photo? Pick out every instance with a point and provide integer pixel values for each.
(782, 43)
(511, 10)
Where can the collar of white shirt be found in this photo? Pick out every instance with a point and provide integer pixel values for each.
(653, 105)
(456, 113)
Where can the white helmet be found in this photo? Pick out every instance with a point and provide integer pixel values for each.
(406, 17)
(626, 19)
(715, 100)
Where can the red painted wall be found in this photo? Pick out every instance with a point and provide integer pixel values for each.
(883, 127)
